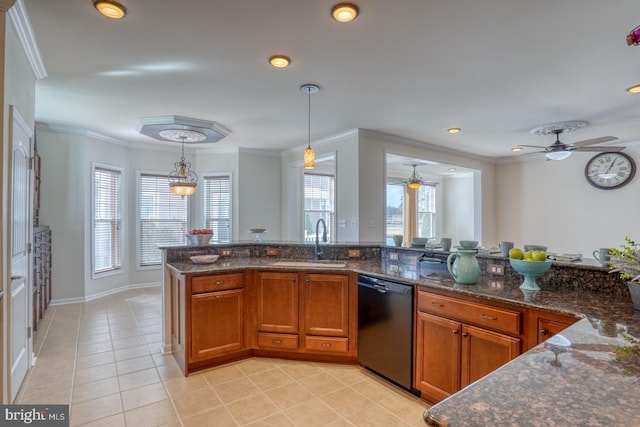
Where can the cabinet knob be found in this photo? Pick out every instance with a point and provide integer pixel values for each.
(454, 332)
(325, 345)
(437, 304)
(293, 280)
(485, 317)
(308, 282)
(276, 341)
(543, 332)
(464, 334)
(220, 282)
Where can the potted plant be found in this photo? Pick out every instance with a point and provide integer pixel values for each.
(625, 260)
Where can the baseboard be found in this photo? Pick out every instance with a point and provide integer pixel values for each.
(102, 294)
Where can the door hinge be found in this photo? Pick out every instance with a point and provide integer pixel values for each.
(29, 332)
(30, 162)
(29, 247)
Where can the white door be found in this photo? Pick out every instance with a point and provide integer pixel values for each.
(21, 230)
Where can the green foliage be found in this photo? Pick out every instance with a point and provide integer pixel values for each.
(625, 260)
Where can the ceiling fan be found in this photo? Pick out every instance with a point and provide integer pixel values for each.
(559, 150)
(414, 181)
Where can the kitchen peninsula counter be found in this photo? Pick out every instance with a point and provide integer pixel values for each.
(595, 383)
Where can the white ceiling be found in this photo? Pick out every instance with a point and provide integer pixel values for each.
(412, 68)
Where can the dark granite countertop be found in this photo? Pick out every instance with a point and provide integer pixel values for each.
(596, 383)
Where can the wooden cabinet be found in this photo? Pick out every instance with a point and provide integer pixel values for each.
(459, 342)
(326, 312)
(41, 272)
(543, 325)
(303, 312)
(207, 318)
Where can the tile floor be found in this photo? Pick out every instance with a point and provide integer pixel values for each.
(102, 357)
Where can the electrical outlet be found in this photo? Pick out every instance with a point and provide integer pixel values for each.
(272, 252)
(495, 284)
(393, 256)
(354, 253)
(225, 252)
(393, 268)
(496, 269)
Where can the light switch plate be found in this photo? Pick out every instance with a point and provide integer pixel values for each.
(354, 253)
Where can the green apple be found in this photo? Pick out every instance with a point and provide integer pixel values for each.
(539, 256)
(515, 253)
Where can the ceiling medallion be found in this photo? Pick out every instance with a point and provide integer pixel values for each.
(553, 128)
(181, 129)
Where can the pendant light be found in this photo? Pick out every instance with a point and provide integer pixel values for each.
(414, 180)
(309, 154)
(182, 180)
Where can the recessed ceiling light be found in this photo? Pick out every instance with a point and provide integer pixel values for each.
(110, 9)
(280, 61)
(517, 149)
(344, 12)
(452, 169)
(454, 130)
(634, 89)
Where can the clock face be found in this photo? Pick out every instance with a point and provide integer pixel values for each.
(610, 170)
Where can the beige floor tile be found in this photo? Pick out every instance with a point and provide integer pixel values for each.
(152, 338)
(156, 414)
(131, 352)
(276, 420)
(312, 413)
(222, 374)
(375, 416)
(95, 338)
(255, 365)
(216, 417)
(236, 389)
(95, 360)
(95, 389)
(162, 359)
(120, 326)
(321, 383)
(41, 394)
(195, 402)
(403, 407)
(125, 333)
(152, 329)
(271, 378)
(289, 395)
(184, 385)
(142, 396)
(132, 365)
(91, 410)
(92, 348)
(95, 373)
(348, 374)
(116, 420)
(170, 370)
(93, 330)
(346, 401)
(138, 379)
(343, 423)
(252, 408)
(128, 342)
(299, 370)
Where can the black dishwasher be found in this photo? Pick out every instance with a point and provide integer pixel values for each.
(385, 329)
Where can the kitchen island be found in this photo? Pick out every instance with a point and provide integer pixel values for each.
(594, 384)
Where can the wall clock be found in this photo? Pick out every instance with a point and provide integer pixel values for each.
(610, 170)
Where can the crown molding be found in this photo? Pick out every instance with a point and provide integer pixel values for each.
(320, 142)
(20, 20)
(6, 5)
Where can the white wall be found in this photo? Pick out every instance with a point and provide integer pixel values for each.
(458, 210)
(550, 203)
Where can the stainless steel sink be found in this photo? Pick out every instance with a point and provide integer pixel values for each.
(311, 264)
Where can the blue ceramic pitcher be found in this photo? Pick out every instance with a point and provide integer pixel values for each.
(464, 266)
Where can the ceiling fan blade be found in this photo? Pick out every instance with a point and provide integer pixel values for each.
(532, 146)
(603, 149)
(594, 141)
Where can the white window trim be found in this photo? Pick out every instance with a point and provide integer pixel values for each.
(333, 225)
(137, 236)
(94, 274)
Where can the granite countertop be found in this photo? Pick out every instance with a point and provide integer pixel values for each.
(596, 383)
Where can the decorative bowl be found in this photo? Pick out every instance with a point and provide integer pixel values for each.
(198, 239)
(535, 248)
(204, 259)
(257, 230)
(419, 241)
(468, 244)
(530, 269)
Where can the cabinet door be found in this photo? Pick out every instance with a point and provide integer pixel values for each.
(548, 328)
(484, 351)
(326, 305)
(437, 364)
(217, 323)
(277, 301)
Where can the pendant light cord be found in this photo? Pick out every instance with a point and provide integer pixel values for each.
(309, 118)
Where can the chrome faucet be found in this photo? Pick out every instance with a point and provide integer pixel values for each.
(324, 237)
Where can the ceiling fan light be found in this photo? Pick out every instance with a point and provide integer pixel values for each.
(633, 38)
(557, 155)
(516, 149)
(110, 9)
(634, 89)
(413, 184)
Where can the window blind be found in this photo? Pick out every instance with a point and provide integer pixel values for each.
(162, 218)
(319, 202)
(107, 218)
(426, 207)
(217, 207)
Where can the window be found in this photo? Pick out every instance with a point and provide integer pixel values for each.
(162, 218)
(419, 221)
(107, 219)
(217, 207)
(319, 202)
(426, 213)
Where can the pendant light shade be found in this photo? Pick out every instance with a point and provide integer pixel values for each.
(182, 180)
(309, 154)
(110, 9)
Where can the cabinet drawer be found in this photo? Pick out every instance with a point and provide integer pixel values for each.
(498, 319)
(282, 341)
(219, 282)
(328, 344)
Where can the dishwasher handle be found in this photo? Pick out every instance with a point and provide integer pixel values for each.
(381, 288)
